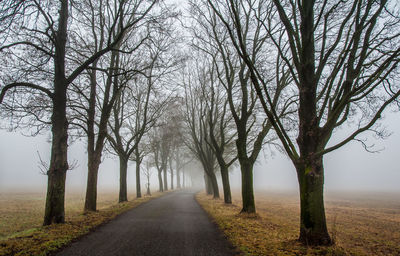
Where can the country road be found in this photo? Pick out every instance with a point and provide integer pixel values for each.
(173, 224)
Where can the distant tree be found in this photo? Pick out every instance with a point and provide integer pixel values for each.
(343, 59)
(195, 118)
(160, 145)
(37, 58)
(147, 173)
(252, 126)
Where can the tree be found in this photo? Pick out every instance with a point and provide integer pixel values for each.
(222, 135)
(147, 173)
(41, 30)
(252, 125)
(196, 121)
(343, 60)
(160, 142)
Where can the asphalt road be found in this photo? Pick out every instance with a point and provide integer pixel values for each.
(173, 224)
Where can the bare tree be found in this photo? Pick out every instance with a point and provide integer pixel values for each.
(160, 140)
(40, 29)
(222, 134)
(343, 60)
(139, 108)
(252, 125)
(196, 120)
(147, 173)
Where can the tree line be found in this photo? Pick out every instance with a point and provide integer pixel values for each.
(218, 84)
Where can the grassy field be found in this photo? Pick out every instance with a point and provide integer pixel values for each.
(22, 211)
(360, 224)
(21, 216)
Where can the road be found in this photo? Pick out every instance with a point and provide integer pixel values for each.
(173, 224)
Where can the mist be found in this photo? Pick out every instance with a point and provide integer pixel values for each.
(350, 168)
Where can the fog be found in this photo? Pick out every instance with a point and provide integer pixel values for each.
(347, 169)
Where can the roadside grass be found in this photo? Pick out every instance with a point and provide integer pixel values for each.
(359, 224)
(21, 216)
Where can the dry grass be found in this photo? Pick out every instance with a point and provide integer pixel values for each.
(21, 217)
(360, 224)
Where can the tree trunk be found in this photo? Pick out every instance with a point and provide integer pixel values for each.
(183, 179)
(178, 179)
(54, 210)
(148, 186)
(172, 179)
(138, 188)
(225, 184)
(313, 229)
(165, 180)
(214, 184)
(91, 188)
(246, 169)
(207, 184)
(160, 181)
(123, 169)
(55, 198)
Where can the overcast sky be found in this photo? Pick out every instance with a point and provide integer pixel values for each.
(349, 168)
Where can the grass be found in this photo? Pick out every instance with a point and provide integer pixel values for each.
(21, 216)
(360, 224)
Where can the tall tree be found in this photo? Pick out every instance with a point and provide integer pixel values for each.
(222, 134)
(252, 125)
(195, 118)
(343, 60)
(41, 30)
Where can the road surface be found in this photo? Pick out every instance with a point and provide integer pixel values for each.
(173, 224)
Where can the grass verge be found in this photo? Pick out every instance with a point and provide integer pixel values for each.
(357, 229)
(48, 239)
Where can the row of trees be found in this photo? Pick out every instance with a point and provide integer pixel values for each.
(94, 70)
(288, 73)
(257, 74)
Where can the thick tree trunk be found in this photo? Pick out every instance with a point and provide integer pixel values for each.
(91, 188)
(246, 169)
(172, 179)
(138, 188)
(160, 181)
(123, 170)
(183, 179)
(178, 179)
(55, 198)
(54, 209)
(313, 229)
(225, 184)
(165, 179)
(214, 185)
(148, 186)
(207, 184)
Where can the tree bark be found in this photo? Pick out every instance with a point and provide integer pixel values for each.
(207, 184)
(123, 169)
(172, 179)
(183, 179)
(165, 179)
(138, 188)
(214, 185)
(225, 184)
(91, 187)
(54, 209)
(55, 198)
(178, 179)
(160, 181)
(246, 169)
(313, 228)
(148, 190)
